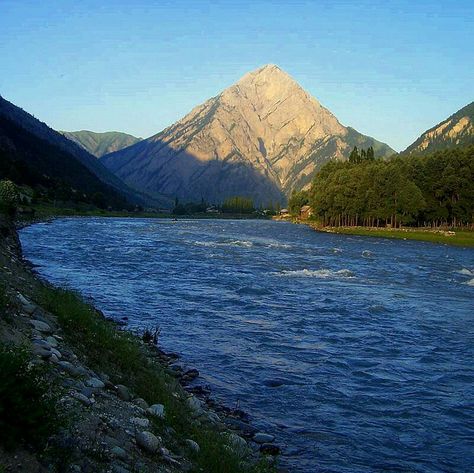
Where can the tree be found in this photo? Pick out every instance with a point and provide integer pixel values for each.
(9, 197)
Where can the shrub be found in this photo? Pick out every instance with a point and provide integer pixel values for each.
(28, 408)
(9, 197)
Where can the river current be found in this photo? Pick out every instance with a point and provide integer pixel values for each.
(356, 353)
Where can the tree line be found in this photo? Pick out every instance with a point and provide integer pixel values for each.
(430, 190)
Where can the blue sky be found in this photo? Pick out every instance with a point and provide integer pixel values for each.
(390, 69)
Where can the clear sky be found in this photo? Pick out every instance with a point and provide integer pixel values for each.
(390, 69)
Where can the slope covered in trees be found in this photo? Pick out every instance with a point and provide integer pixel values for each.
(429, 190)
(50, 170)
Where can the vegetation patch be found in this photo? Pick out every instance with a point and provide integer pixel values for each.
(29, 413)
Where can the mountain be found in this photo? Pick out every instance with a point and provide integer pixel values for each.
(457, 130)
(261, 138)
(99, 144)
(11, 114)
(29, 160)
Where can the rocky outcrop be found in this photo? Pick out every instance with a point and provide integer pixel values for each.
(457, 130)
(262, 137)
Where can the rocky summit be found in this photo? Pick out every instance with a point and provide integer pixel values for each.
(457, 130)
(262, 137)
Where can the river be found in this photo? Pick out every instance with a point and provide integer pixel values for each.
(356, 353)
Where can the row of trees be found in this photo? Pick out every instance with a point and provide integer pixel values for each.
(432, 190)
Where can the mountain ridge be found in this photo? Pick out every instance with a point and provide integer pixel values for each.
(456, 130)
(100, 143)
(262, 137)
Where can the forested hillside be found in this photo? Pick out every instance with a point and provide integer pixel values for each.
(50, 170)
(429, 190)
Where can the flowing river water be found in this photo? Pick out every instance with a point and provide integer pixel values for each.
(357, 353)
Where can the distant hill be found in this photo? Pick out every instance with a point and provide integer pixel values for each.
(99, 144)
(457, 130)
(70, 151)
(261, 138)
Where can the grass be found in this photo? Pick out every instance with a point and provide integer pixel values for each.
(29, 412)
(123, 357)
(461, 238)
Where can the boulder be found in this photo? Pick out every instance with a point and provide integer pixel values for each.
(148, 441)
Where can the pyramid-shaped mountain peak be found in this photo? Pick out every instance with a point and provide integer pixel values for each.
(262, 137)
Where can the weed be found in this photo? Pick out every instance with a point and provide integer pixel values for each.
(28, 408)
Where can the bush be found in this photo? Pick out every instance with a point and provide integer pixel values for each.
(9, 197)
(28, 409)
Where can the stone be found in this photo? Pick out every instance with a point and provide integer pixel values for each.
(140, 422)
(195, 405)
(119, 469)
(261, 437)
(194, 446)
(95, 383)
(70, 368)
(81, 398)
(156, 410)
(27, 305)
(237, 441)
(269, 449)
(212, 417)
(56, 352)
(119, 452)
(123, 392)
(148, 441)
(190, 375)
(52, 341)
(41, 351)
(42, 327)
(141, 403)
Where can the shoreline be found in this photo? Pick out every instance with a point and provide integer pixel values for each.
(459, 238)
(226, 422)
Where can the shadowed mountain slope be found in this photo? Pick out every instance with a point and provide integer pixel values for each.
(264, 132)
(70, 151)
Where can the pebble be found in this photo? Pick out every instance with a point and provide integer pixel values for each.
(261, 437)
(194, 446)
(52, 341)
(123, 392)
(40, 326)
(195, 405)
(140, 422)
(119, 469)
(95, 383)
(148, 441)
(190, 375)
(270, 449)
(156, 410)
(81, 398)
(41, 351)
(237, 441)
(141, 403)
(119, 453)
(27, 305)
(56, 352)
(70, 368)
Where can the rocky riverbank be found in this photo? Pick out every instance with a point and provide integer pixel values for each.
(110, 425)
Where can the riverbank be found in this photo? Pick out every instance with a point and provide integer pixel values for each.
(463, 238)
(123, 405)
